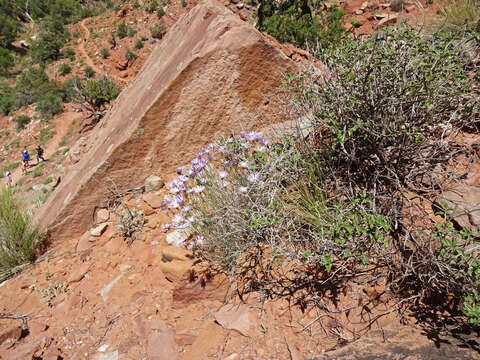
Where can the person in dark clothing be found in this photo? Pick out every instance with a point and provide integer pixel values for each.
(39, 154)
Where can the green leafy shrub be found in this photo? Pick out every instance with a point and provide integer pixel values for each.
(33, 84)
(65, 69)
(21, 121)
(105, 53)
(48, 180)
(89, 72)
(139, 44)
(7, 99)
(49, 105)
(19, 238)
(297, 26)
(158, 30)
(136, 5)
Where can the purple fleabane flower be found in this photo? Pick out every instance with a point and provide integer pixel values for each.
(243, 189)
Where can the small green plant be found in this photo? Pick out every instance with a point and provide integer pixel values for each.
(122, 30)
(130, 56)
(130, 222)
(151, 6)
(37, 172)
(355, 23)
(105, 53)
(49, 294)
(62, 143)
(65, 69)
(158, 30)
(69, 53)
(131, 32)
(48, 180)
(136, 5)
(89, 72)
(21, 121)
(76, 34)
(160, 12)
(139, 44)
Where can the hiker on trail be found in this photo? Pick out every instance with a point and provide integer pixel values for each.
(8, 178)
(26, 159)
(39, 154)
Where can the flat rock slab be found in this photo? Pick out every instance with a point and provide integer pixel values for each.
(462, 204)
(154, 200)
(161, 343)
(99, 230)
(79, 273)
(106, 355)
(236, 317)
(102, 216)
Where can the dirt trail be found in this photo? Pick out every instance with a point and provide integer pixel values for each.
(88, 59)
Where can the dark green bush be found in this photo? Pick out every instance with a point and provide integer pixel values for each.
(298, 26)
(49, 105)
(6, 60)
(7, 100)
(21, 121)
(69, 53)
(31, 85)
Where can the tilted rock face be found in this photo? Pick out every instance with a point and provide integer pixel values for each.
(212, 75)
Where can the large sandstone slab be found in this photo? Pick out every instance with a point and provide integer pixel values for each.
(211, 75)
(462, 204)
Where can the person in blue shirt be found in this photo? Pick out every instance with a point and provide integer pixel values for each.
(26, 159)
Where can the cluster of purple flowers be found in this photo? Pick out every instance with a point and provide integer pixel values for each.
(192, 179)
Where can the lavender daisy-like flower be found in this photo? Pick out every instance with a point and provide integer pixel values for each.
(253, 177)
(189, 172)
(179, 242)
(179, 170)
(224, 184)
(198, 189)
(203, 181)
(243, 189)
(243, 164)
(261, 149)
(166, 226)
(186, 208)
(222, 174)
(165, 211)
(178, 219)
(199, 240)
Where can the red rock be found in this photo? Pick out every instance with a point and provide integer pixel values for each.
(84, 242)
(236, 317)
(13, 332)
(79, 273)
(186, 337)
(389, 20)
(410, 8)
(36, 327)
(359, 12)
(154, 200)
